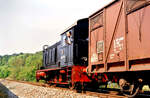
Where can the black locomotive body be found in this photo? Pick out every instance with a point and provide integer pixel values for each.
(51, 56)
(63, 61)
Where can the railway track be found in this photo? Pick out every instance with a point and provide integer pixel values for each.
(106, 93)
(109, 94)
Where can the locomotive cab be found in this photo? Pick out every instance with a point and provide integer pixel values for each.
(74, 44)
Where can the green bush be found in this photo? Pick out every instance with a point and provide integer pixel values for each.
(4, 71)
(20, 66)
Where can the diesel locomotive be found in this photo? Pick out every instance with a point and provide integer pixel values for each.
(65, 61)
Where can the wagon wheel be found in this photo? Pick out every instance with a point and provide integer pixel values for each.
(132, 91)
(129, 90)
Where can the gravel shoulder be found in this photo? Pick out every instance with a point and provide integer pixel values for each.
(5, 92)
(22, 90)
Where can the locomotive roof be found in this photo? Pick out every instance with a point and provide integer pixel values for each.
(54, 45)
(67, 29)
(113, 1)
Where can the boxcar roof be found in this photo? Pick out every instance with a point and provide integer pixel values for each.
(113, 1)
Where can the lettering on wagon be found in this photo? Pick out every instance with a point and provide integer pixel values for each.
(118, 46)
(94, 57)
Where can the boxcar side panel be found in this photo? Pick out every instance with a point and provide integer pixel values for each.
(125, 36)
(138, 39)
(115, 30)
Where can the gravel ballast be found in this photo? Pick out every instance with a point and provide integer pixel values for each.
(23, 90)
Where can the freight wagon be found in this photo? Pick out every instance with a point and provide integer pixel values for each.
(119, 44)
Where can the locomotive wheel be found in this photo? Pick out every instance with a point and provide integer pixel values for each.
(72, 86)
(37, 80)
(129, 90)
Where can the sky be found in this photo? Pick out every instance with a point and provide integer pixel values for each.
(27, 25)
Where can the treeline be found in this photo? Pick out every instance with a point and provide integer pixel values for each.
(20, 66)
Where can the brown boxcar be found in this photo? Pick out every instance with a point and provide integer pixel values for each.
(119, 44)
(119, 37)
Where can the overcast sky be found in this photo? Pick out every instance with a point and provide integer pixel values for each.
(27, 25)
